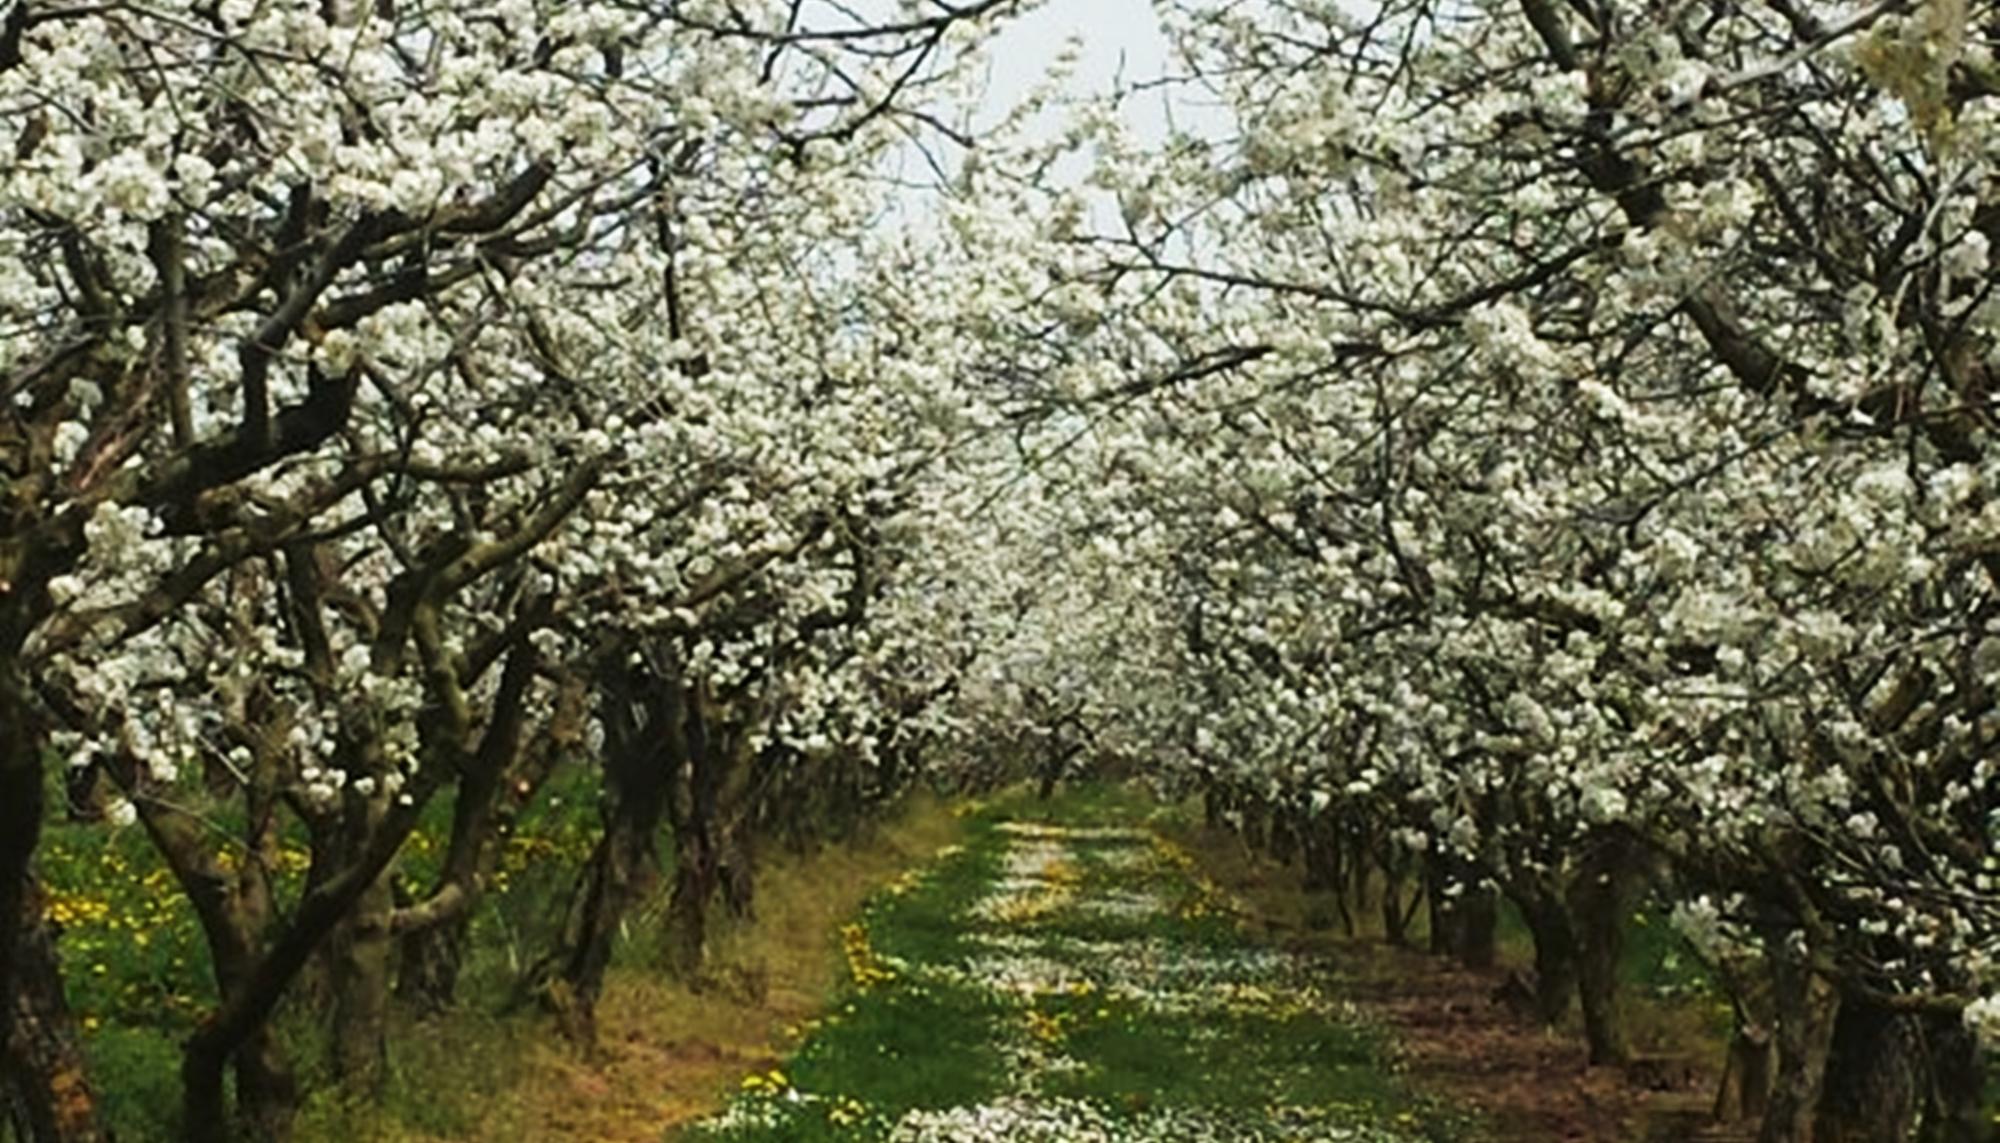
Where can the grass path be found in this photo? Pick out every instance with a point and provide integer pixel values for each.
(1068, 975)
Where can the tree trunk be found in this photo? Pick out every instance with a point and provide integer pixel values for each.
(695, 882)
(1322, 859)
(360, 1028)
(711, 814)
(1356, 849)
(242, 1019)
(45, 1079)
(1396, 915)
(1954, 1111)
(1325, 871)
(429, 960)
(1478, 918)
(1555, 951)
(1346, 904)
(1871, 1091)
(1285, 839)
(1255, 832)
(1600, 897)
(359, 956)
(235, 914)
(1745, 1092)
(1600, 942)
(1806, 1006)
(1045, 785)
(1395, 919)
(1443, 917)
(1052, 768)
(267, 1093)
(20, 823)
(646, 735)
(621, 870)
(736, 871)
(1464, 917)
(204, 1102)
(435, 934)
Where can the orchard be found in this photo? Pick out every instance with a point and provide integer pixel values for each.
(1514, 460)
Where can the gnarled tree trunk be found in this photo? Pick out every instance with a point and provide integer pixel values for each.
(1872, 1089)
(1326, 869)
(1396, 915)
(434, 934)
(1464, 911)
(42, 1075)
(1600, 898)
(622, 870)
(20, 813)
(1744, 1094)
(252, 993)
(361, 957)
(1556, 969)
(696, 876)
(646, 739)
(1954, 1110)
(1478, 911)
(1806, 1006)
(716, 757)
(234, 913)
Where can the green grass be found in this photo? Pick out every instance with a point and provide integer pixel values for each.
(916, 1044)
(927, 923)
(1086, 805)
(137, 1074)
(912, 1047)
(1176, 1012)
(1248, 1061)
(138, 973)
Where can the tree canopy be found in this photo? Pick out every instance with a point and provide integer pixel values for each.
(1539, 449)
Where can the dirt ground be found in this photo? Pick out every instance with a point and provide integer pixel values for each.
(1460, 1041)
(1527, 1084)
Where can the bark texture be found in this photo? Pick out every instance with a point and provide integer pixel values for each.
(46, 1087)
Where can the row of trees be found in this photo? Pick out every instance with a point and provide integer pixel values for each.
(1550, 448)
(1514, 448)
(398, 402)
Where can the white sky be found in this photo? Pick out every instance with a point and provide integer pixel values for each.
(1115, 34)
(1118, 40)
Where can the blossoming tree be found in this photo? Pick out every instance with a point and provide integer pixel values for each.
(355, 360)
(1592, 488)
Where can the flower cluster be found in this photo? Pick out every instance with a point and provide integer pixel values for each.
(865, 967)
